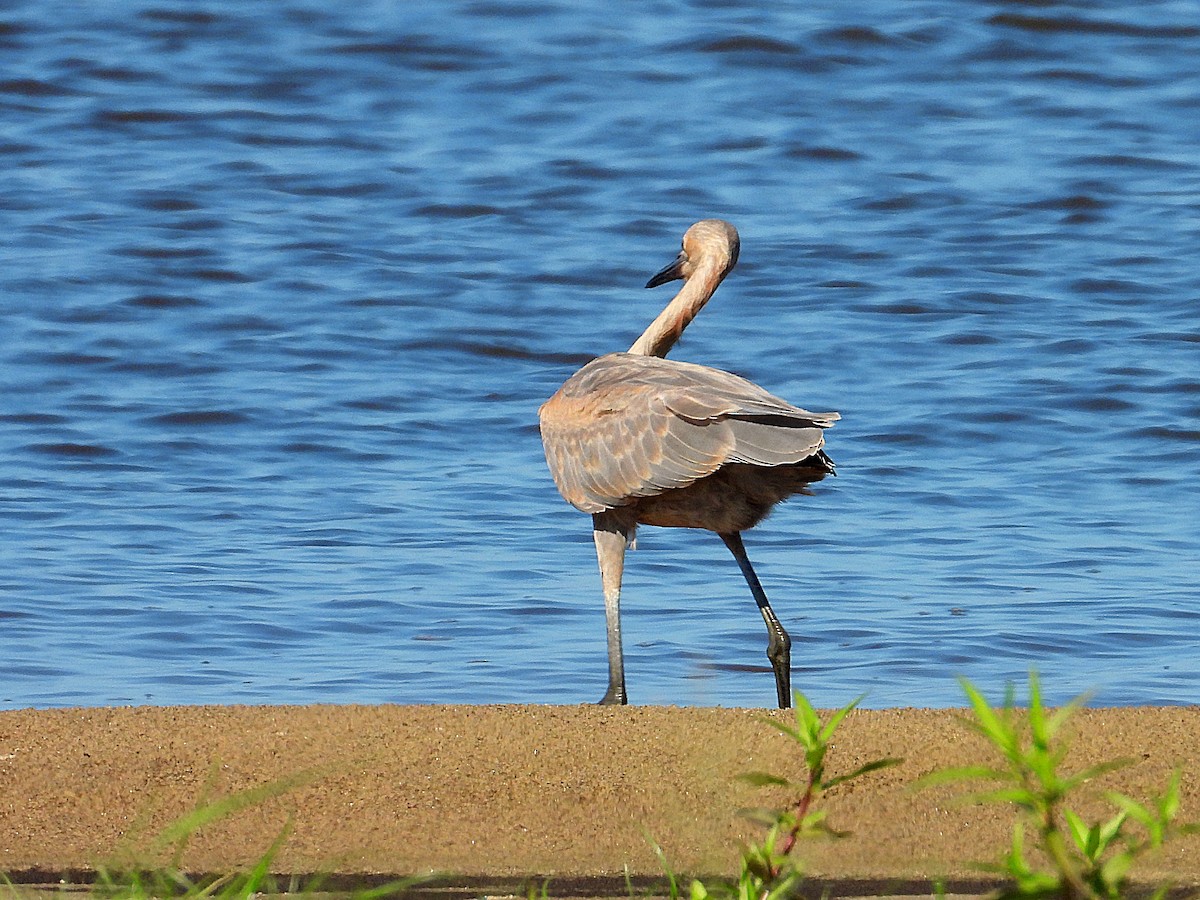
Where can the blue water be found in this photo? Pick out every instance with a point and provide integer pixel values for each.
(283, 284)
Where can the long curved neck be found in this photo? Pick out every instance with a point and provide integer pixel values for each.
(664, 331)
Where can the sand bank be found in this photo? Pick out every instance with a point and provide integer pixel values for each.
(497, 793)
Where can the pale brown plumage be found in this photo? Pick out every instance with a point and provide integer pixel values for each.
(627, 427)
(637, 439)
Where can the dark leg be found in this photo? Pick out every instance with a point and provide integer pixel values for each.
(779, 644)
(612, 537)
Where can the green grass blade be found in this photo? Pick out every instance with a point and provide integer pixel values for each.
(672, 882)
(214, 810)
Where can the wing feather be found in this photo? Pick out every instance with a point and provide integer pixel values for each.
(627, 426)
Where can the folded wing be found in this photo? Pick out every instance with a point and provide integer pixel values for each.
(627, 426)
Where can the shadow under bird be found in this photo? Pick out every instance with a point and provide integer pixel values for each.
(637, 439)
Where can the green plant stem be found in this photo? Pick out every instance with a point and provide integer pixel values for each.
(802, 807)
(1056, 847)
(1053, 840)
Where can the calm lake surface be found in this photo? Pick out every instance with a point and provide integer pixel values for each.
(282, 286)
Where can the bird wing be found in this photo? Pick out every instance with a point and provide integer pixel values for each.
(627, 426)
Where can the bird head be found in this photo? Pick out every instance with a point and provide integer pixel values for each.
(711, 243)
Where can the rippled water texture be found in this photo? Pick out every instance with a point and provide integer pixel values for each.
(283, 284)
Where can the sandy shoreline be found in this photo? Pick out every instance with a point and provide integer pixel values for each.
(494, 794)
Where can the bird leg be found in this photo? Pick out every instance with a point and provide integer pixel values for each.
(779, 644)
(612, 537)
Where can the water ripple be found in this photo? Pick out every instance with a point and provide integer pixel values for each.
(284, 285)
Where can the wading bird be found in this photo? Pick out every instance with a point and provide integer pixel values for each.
(637, 439)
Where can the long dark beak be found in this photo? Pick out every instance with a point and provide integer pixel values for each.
(670, 273)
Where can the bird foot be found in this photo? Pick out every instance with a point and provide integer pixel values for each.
(785, 695)
(614, 696)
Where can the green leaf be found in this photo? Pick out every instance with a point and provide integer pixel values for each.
(814, 758)
(1018, 795)
(760, 815)
(1037, 712)
(764, 779)
(1040, 884)
(785, 820)
(757, 863)
(962, 773)
(1014, 860)
(862, 770)
(813, 819)
(808, 723)
(1168, 804)
(996, 731)
(785, 727)
(1131, 807)
(253, 882)
(1065, 712)
(1096, 771)
(1086, 838)
(1111, 829)
(1116, 868)
(836, 719)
